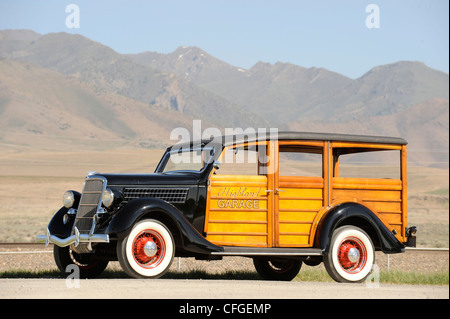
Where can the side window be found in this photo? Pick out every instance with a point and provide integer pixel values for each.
(383, 164)
(242, 160)
(300, 161)
(188, 159)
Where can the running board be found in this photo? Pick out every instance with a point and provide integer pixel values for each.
(251, 251)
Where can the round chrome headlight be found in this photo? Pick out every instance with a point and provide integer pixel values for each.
(68, 199)
(108, 197)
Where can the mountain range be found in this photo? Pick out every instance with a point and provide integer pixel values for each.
(62, 89)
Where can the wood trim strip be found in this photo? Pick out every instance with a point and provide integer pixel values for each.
(237, 222)
(237, 234)
(236, 210)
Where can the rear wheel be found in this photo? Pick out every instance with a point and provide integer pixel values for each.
(88, 265)
(148, 251)
(351, 255)
(283, 270)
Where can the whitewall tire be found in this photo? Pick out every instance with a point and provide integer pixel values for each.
(351, 255)
(147, 251)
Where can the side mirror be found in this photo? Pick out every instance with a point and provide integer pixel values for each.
(216, 164)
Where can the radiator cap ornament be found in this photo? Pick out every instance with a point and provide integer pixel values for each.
(90, 173)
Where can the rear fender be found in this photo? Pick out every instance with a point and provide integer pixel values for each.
(357, 215)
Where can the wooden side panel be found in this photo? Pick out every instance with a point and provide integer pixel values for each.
(382, 196)
(237, 213)
(299, 200)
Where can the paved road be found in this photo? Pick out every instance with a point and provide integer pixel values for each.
(208, 289)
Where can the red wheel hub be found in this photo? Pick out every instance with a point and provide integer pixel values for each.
(148, 249)
(352, 255)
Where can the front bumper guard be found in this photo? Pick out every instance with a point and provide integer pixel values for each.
(75, 239)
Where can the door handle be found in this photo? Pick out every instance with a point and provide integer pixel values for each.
(276, 191)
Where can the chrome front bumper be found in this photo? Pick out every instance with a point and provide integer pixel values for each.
(75, 239)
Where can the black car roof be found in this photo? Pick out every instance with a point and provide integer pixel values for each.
(228, 140)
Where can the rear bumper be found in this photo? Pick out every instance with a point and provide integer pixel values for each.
(411, 236)
(75, 239)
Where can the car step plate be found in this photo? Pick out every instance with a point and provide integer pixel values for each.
(251, 251)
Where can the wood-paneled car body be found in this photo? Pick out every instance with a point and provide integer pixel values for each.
(283, 200)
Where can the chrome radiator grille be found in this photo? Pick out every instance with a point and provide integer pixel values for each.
(171, 195)
(89, 203)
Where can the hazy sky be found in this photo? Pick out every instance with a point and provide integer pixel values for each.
(323, 33)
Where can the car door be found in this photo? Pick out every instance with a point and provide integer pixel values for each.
(298, 191)
(240, 197)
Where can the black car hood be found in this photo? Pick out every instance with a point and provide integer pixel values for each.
(172, 179)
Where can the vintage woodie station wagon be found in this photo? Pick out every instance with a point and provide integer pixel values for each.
(283, 200)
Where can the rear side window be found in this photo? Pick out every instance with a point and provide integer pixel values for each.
(383, 164)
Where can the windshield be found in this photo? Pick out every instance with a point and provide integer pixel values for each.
(186, 160)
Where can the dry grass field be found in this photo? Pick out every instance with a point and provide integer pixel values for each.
(32, 182)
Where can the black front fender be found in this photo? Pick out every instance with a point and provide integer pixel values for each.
(56, 225)
(190, 239)
(348, 214)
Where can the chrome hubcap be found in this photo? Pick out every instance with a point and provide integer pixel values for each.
(353, 255)
(150, 249)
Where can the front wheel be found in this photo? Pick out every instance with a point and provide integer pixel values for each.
(88, 265)
(148, 251)
(351, 255)
(283, 270)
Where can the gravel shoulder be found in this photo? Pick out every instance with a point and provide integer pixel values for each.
(37, 258)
